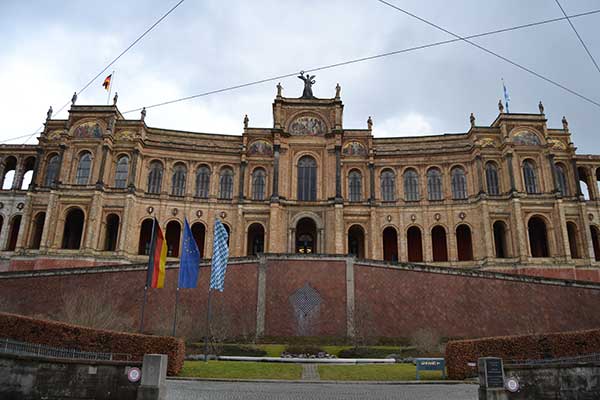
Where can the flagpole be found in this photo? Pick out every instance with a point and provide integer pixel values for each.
(110, 85)
(147, 279)
(176, 305)
(207, 324)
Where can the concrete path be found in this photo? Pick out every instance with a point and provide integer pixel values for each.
(310, 372)
(204, 390)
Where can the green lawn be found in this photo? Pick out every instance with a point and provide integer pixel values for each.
(375, 372)
(273, 350)
(240, 370)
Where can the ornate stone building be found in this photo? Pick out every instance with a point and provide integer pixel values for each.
(504, 197)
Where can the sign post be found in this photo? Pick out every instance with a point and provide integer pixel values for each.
(430, 364)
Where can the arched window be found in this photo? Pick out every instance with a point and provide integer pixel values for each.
(355, 185)
(73, 229)
(530, 177)
(411, 185)
(52, 170)
(145, 237)
(491, 178)
(199, 233)
(414, 244)
(38, 230)
(258, 184)
(28, 173)
(178, 183)
(256, 239)
(595, 241)
(538, 237)
(226, 184)
(122, 172)
(203, 182)
(459, 183)
(561, 177)
(82, 177)
(434, 184)
(10, 169)
(464, 243)
(112, 232)
(13, 233)
(155, 177)
(584, 182)
(356, 241)
(390, 244)
(573, 240)
(307, 179)
(438, 243)
(388, 185)
(173, 236)
(500, 241)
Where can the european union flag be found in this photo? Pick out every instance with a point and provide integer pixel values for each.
(190, 259)
(219, 258)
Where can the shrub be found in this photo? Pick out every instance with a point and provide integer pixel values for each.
(58, 334)
(303, 349)
(242, 350)
(524, 347)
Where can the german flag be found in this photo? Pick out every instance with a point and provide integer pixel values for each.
(106, 82)
(158, 259)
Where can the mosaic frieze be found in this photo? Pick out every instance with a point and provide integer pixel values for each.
(88, 130)
(526, 138)
(260, 147)
(308, 125)
(354, 149)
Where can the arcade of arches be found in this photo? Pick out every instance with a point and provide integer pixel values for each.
(509, 196)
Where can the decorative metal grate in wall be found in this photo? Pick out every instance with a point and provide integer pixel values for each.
(10, 346)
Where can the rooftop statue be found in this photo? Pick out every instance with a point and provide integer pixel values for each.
(309, 80)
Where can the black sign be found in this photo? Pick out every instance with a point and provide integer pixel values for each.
(494, 373)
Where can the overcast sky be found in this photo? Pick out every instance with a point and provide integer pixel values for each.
(52, 48)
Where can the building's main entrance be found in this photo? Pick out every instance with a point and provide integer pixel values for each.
(306, 236)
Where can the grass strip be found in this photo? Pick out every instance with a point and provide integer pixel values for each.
(240, 370)
(375, 372)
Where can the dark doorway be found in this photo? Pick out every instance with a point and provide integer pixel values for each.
(13, 235)
(538, 237)
(173, 237)
(500, 241)
(414, 244)
(464, 243)
(38, 230)
(228, 234)
(199, 233)
(73, 230)
(390, 244)
(438, 243)
(256, 239)
(306, 236)
(145, 237)
(112, 232)
(573, 242)
(356, 241)
(595, 242)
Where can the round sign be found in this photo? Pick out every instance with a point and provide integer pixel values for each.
(134, 374)
(512, 385)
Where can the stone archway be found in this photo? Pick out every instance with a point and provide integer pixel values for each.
(306, 236)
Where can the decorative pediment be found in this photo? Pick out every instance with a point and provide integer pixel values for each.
(486, 142)
(260, 147)
(354, 148)
(307, 125)
(55, 134)
(557, 144)
(125, 135)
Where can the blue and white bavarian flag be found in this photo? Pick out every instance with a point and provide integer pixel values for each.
(219, 257)
(506, 96)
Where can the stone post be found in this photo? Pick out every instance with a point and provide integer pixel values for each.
(133, 170)
(479, 167)
(275, 195)
(61, 154)
(350, 308)
(154, 378)
(372, 183)
(338, 174)
(511, 173)
(261, 296)
(243, 165)
(100, 181)
(554, 187)
(18, 177)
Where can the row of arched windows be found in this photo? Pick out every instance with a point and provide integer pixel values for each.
(434, 184)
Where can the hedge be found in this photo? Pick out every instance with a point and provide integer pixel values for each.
(62, 335)
(523, 347)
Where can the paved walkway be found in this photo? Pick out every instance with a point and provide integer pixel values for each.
(310, 372)
(201, 390)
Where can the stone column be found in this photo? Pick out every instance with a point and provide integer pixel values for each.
(576, 176)
(18, 178)
(36, 168)
(275, 195)
(511, 173)
(61, 154)
(243, 165)
(100, 181)
(488, 237)
(372, 183)
(562, 246)
(521, 236)
(291, 237)
(93, 224)
(338, 175)
(321, 244)
(554, 186)
(2, 168)
(125, 231)
(133, 170)
(479, 167)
